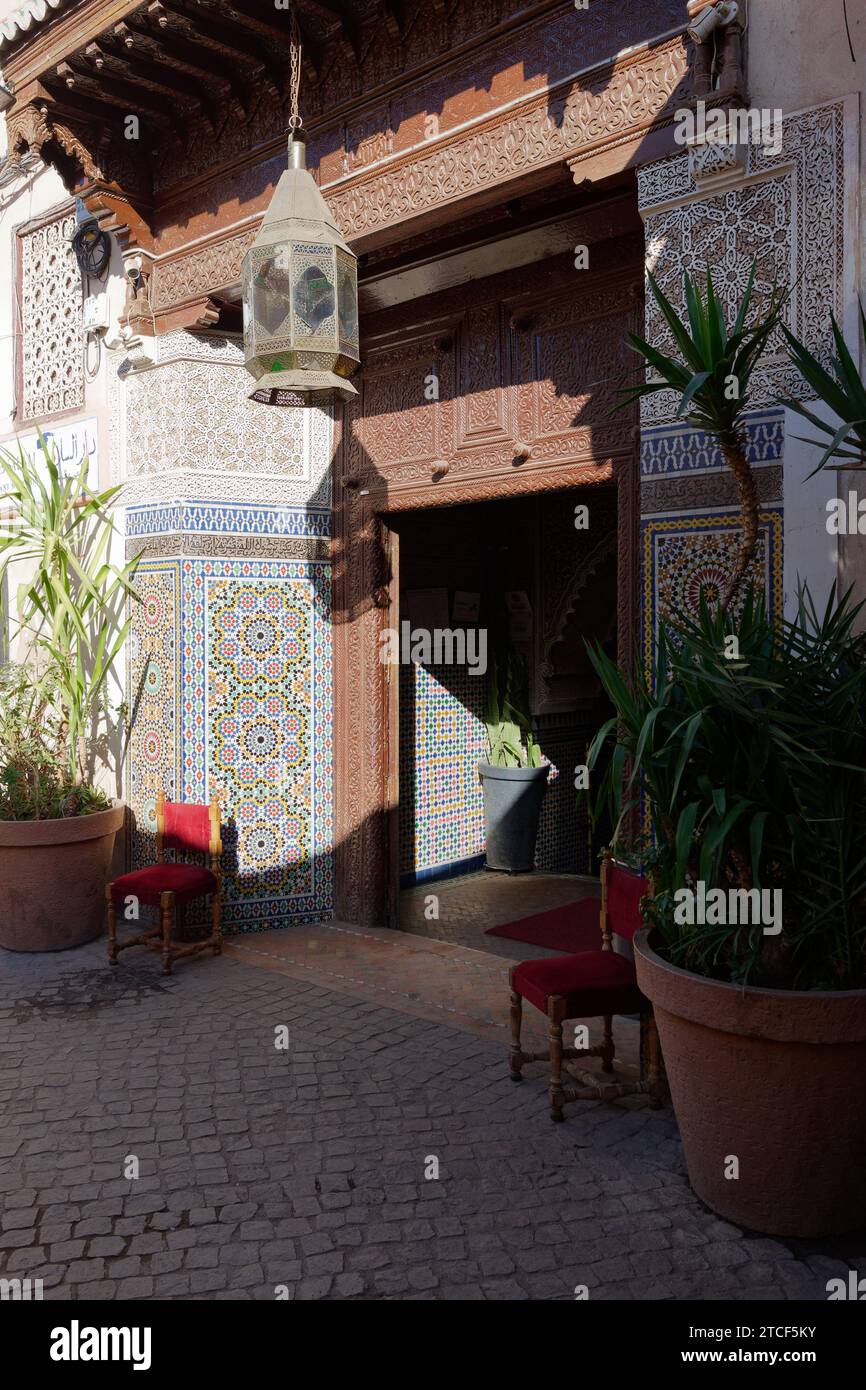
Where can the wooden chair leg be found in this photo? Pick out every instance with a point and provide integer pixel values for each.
(651, 1058)
(607, 1055)
(216, 924)
(166, 917)
(556, 1016)
(111, 926)
(515, 1058)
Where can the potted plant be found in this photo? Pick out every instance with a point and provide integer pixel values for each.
(57, 829)
(515, 777)
(745, 751)
(754, 958)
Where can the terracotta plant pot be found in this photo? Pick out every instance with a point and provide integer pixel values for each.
(775, 1079)
(52, 880)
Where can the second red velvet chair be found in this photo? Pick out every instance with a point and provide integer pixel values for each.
(186, 829)
(591, 984)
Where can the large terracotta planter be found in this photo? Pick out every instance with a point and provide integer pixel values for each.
(52, 880)
(774, 1078)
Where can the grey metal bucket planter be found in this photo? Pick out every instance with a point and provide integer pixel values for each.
(512, 806)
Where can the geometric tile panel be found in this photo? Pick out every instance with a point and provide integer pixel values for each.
(256, 519)
(264, 630)
(442, 740)
(563, 842)
(789, 215)
(152, 695)
(675, 448)
(248, 671)
(685, 557)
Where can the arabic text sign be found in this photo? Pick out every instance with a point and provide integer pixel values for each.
(71, 445)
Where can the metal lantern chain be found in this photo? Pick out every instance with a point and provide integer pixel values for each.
(295, 73)
(300, 284)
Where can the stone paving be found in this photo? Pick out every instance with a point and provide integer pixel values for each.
(310, 1172)
(468, 905)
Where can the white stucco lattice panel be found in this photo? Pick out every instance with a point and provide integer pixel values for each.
(52, 339)
(791, 213)
(189, 430)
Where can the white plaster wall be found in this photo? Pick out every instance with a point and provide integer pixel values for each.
(811, 552)
(24, 198)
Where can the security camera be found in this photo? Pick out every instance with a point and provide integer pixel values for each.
(712, 18)
(132, 270)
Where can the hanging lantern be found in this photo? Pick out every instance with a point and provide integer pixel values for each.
(300, 287)
(300, 293)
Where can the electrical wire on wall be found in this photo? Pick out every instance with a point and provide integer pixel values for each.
(848, 31)
(92, 248)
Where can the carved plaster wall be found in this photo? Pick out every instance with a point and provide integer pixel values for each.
(790, 213)
(187, 429)
(50, 347)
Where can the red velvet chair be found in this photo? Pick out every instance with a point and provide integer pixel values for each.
(592, 984)
(186, 829)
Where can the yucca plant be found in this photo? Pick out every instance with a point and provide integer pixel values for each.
(712, 372)
(753, 772)
(843, 391)
(68, 622)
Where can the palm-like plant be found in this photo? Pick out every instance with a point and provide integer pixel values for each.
(712, 373)
(845, 394)
(70, 601)
(754, 775)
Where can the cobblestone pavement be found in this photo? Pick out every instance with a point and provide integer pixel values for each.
(309, 1169)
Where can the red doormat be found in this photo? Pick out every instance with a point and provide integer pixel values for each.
(571, 928)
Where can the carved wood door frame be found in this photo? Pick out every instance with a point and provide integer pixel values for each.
(365, 602)
(520, 412)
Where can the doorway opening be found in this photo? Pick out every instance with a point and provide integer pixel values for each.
(539, 574)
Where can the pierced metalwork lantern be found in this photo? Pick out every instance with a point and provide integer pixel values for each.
(300, 295)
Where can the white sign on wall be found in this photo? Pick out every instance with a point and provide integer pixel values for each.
(71, 445)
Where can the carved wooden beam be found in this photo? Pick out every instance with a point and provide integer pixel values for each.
(70, 31)
(340, 27)
(110, 72)
(171, 51)
(158, 73)
(394, 18)
(100, 89)
(208, 31)
(276, 32)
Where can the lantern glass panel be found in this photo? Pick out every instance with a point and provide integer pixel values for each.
(314, 295)
(347, 299)
(271, 293)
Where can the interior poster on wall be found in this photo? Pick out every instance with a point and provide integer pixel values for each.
(426, 609)
(467, 607)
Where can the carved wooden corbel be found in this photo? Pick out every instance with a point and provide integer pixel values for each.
(94, 162)
(27, 129)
